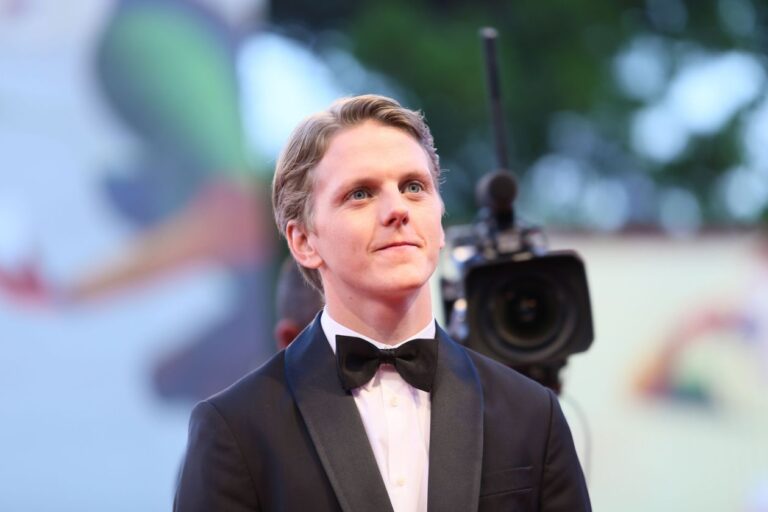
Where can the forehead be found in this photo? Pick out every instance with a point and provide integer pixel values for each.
(370, 150)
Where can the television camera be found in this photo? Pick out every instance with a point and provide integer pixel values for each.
(513, 300)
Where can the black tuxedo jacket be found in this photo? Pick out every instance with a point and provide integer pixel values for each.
(287, 437)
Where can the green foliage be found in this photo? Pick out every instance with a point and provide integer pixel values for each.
(556, 56)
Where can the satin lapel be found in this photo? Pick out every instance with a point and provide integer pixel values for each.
(456, 432)
(334, 423)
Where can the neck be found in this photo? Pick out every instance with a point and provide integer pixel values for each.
(389, 321)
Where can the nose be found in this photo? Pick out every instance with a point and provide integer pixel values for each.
(395, 210)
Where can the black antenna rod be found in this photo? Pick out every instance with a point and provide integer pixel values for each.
(496, 191)
(489, 36)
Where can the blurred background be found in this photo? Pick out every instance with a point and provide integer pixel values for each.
(138, 256)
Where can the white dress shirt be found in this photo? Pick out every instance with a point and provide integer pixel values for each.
(396, 418)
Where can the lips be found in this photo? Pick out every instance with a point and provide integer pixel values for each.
(392, 245)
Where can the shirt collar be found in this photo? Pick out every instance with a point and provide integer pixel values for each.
(332, 328)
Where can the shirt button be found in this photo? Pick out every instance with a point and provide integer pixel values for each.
(400, 482)
(393, 401)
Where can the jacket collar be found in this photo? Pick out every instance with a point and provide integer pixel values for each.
(338, 434)
(456, 433)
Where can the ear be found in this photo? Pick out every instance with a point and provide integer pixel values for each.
(285, 332)
(301, 246)
(442, 229)
(442, 236)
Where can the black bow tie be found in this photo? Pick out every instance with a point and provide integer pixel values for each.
(358, 360)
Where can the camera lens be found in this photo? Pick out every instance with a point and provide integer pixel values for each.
(527, 312)
(524, 311)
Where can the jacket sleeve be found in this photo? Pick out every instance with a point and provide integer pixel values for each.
(563, 488)
(214, 475)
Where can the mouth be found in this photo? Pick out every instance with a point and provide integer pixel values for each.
(395, 245)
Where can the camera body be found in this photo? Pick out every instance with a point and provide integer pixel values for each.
(516, 302)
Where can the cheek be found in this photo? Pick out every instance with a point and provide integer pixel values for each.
(436, 231)
(344, 239)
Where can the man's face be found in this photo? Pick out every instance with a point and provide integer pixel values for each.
(376, 229)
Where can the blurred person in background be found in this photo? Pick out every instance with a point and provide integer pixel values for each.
(296, 305)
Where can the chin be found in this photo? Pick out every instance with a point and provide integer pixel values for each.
(403, 286)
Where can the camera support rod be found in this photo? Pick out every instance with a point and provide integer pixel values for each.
(496, 191)
(489, 36)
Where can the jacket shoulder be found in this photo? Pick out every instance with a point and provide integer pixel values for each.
(497, 378)
(255, 389)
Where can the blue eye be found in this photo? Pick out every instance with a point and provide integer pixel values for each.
(358, 195)
(414, 187)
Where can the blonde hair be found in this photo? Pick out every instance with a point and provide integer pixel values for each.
(292, 198)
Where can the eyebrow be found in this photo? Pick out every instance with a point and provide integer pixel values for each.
(371, 181)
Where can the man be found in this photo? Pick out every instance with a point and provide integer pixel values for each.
(424, 424)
